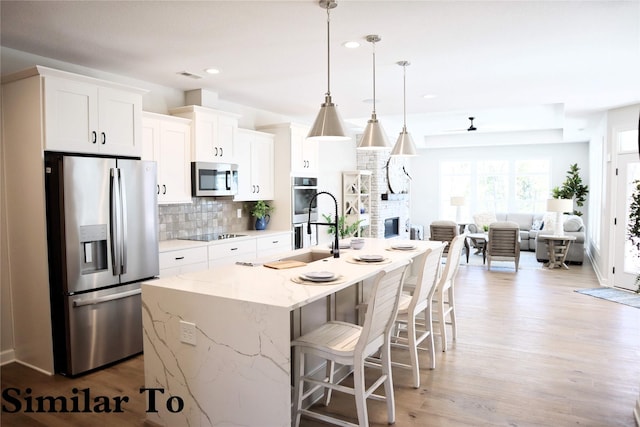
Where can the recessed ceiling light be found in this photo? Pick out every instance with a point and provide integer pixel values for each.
(212, 70)
(429, 96)
(351, 45)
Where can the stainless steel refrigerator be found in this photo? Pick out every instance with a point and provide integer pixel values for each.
(102, 230)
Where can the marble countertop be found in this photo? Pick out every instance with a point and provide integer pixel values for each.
(263, 285)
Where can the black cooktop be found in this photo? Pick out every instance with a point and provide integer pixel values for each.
(213, 236)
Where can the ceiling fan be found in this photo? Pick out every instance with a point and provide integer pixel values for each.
(471, 127)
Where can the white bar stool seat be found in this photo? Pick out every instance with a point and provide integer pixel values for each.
(350, 344)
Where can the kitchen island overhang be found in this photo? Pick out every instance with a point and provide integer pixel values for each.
(238, 371)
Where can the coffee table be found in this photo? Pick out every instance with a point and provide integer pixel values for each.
(480, 241)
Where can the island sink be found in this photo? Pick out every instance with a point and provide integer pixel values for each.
(307, 257)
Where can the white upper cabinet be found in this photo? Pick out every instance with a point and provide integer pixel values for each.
(304, 153)
(212, 133)
(292, 144)
(86, 117)
(167, 140)
(254, 155)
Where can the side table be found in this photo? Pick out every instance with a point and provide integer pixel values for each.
(558, 247)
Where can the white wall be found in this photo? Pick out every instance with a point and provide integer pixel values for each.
(425, 169)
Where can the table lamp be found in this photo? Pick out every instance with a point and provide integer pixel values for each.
(559, 206)
(458, 202)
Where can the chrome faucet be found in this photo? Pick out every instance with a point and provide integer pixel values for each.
(336, 246)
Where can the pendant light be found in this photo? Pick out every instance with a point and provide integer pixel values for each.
(404, 145)
(374, 137)
(328, 125)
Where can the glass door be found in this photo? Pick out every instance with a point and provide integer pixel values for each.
(627, 255)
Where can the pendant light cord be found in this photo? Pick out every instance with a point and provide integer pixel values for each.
(404, 97)
(328, 51)
(374, 76)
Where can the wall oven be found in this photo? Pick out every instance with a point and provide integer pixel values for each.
(214, 179)
(303, 190)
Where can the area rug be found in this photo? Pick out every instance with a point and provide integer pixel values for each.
(612, 294)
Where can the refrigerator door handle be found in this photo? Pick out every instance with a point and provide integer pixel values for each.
(115, 222)
(123, 221)
(93, 301)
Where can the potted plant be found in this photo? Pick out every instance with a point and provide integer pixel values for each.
(261, 211)
(633, 228)
(572, 188)
(344, 229)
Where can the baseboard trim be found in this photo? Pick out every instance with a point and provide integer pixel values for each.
(35, 368)
(7, 356)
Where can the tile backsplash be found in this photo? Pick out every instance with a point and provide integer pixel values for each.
(205, 215)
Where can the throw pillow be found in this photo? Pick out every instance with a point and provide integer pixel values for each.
(484, 218)
(574, 223)
(537, 224)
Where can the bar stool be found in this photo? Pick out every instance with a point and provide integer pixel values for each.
(414, 313)
(444, 303)
(350, 344)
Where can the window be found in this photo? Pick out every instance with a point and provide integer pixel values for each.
(495, 186)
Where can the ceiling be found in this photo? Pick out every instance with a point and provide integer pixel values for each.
(513, 65)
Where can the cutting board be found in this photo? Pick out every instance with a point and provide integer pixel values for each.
(279, 265)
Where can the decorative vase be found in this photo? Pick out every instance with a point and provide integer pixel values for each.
(261, 223)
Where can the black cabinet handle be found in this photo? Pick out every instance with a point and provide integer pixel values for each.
(215, 153)
(94, 137)
(104, 138)
(164, 189)
(234, 249)
(221, 152)
(258, 188)
(158, 189)
(179, 258)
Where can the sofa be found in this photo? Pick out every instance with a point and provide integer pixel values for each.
(533, 224)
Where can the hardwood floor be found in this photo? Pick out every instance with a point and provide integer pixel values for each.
(530, 352)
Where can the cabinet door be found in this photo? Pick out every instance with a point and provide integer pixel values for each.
(174, 152)
(71, 116)
(225, 136)
(304, 153)
(262, 166)
(243, 140)
(119, 122)
(214, 137)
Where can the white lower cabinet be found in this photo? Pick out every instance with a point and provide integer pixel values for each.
(228, 253)
(273, 244)
(181, 261)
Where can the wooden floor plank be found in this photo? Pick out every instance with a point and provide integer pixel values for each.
(530, 352)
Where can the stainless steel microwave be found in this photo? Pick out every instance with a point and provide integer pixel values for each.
(214, 179)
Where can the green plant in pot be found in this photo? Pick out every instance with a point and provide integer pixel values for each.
(262, 212)
(633, 228)
(572, 188)
(344, 229)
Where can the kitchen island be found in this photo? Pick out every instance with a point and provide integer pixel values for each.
(217, 342)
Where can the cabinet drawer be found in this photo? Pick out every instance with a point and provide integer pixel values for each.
(182, 257)
(238, 247)
(276, 241)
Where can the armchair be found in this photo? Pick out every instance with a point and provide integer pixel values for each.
(503, 242)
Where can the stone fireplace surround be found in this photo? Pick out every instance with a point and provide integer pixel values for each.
(381, 210)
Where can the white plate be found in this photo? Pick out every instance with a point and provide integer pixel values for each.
(403, 246)
(318, 276)
(370, 258)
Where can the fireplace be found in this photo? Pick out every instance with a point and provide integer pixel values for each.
(391, 227)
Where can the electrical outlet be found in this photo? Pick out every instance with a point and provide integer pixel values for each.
(188, 332)
(239, 213)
